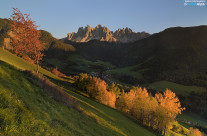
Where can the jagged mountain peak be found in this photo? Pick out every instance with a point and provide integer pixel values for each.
(103, 33)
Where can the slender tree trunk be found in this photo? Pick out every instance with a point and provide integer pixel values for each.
(37, 70)
(37, 61)
(165, 128)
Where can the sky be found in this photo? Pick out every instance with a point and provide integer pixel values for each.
(60, 17)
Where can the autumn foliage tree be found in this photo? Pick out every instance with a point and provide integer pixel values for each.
(57, 73)
(81, 81)
(144, 107)
(194, 132)
(115, 89)
(158, 112)
(168, 109)
(26, 38)
(138, 103)
(96, 88)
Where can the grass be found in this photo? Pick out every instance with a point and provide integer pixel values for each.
(75, 64)
(133, 71)
(58, 119)
(44, 113)
(127, 71)
(20, 63)
(194, 119)
(89, 66)
(177, 88)
(37, 109)
(112, 116)
(55, 62)
(48, 116)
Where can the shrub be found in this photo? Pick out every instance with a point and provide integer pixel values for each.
(81, 81)
(194, 132)
(96, 88)
(115, 89)
(58, 73)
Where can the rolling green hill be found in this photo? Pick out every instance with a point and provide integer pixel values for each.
(49, 116)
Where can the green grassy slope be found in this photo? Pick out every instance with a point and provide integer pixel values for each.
(193, 118)
(20, 63)
(26, 110)
(127, 71)
(47, 114)
(75, 64)
(177, 88)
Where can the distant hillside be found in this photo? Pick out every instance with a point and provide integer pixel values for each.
(100, 33)
(53, 43)
(54, 48)
(175, 54)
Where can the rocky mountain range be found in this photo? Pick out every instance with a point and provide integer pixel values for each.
(103, 33)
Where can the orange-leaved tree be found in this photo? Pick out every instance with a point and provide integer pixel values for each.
(194, 132)
(26, 38)
(97, 89)
(168, 109)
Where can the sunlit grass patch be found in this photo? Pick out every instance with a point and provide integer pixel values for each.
(177, 88)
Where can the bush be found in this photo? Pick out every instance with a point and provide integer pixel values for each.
(58, 73)
(82, 81)
(194, 132)
(96, 88)
(115, 89)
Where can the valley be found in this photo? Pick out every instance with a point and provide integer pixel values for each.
(101, 82)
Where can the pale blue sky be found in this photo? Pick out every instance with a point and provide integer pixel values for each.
(60, 17)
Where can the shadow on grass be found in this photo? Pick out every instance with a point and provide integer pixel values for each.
(61, 83)
(87, 101)
(69, 88)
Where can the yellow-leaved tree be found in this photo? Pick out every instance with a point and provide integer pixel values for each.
(168, 109)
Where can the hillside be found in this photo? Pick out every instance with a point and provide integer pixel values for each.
(175, 54)
(55, 50)
(50, 115)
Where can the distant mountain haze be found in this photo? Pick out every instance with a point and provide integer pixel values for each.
(102, 33)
